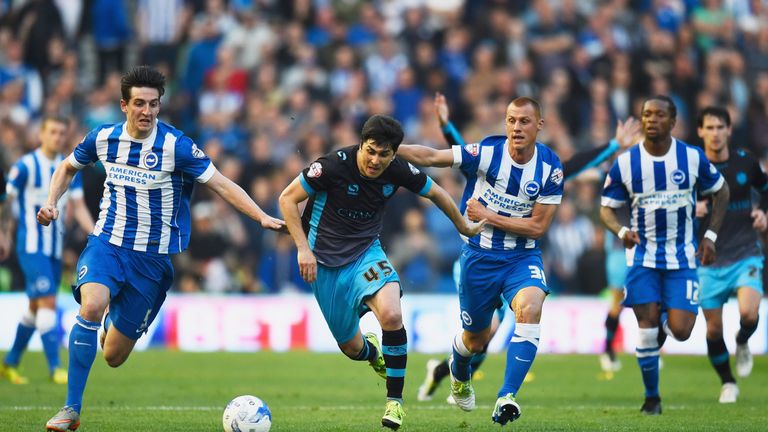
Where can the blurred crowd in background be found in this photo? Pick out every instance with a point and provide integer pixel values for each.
(267, 86)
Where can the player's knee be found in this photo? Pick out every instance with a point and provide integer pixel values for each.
(749, 319)
(92, 310)
(529, 313)
(114, 357)
(391, 320)
(45, 320)
(714, 332)
(682, 333)
(476, 346)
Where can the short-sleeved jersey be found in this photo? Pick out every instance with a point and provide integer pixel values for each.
(662, 193)
(737, 239)
(28, 185)
(506, 187)
(345, 211)
(145, 206)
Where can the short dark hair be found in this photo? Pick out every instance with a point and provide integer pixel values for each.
(384, 130)
(525, 100)
(668, 100)
(141, 76)
(56, 118)
(717, 112)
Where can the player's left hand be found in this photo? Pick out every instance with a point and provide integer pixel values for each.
(759, 220)
(472, 229)
(476, 211)
(706, 253)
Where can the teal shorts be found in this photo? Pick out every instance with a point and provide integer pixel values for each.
(341, 292)
(616, 268)
(716, 284)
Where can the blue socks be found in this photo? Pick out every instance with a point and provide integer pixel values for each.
(520, 355)
(647, 352)
(51, 348)
(82, 353)
(462, 357)
(23, 335)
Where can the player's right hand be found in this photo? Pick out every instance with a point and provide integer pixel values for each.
(441, 109)
(631, 238)
(47, 214)
(307, 265)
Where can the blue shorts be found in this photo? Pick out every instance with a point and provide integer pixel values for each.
(673, 289)
(42, 274)
(616, 268)
(718, 283)
(486, 275)
(501, 308)
(137, 282)
(341, 292)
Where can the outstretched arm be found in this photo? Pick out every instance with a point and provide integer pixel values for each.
(289, 206)
(627, 133)
(238, 198)
(425, 156)
(442, 200)
(60, 181)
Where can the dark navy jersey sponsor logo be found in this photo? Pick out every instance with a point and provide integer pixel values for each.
(353, 190)
(388, 189)
(532, 188)
(356, 215)
(677, 177)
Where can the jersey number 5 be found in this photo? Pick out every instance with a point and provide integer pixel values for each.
(371, 274)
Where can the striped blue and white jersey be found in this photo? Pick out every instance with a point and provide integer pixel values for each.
(506, 187)
(662, 194)
(145, 206)
(28, 184)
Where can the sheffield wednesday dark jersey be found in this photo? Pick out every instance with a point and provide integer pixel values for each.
(737, 239)
(345, 211)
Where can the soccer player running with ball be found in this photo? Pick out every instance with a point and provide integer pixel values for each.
(339, 252)
(661, 177)
(516, 184)
(739, 263)
(39, 249)
(151, 170)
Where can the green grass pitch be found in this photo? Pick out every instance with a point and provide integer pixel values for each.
(174, 391)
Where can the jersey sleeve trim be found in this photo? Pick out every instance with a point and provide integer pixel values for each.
(611, 202)
(714, 188)
(427, 187)
(75, 163)
(207, 174)
(456, 156)
(305, 184)
(76, 193)
(551, 199)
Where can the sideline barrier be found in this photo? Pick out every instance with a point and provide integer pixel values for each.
(294, 322)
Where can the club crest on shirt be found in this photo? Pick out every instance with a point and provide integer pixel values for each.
(473, 149)
(315, 170)
(82, 272)
(532, 188)
(557, 176)
(414, 170)
(196, 152)
(150, 160)
(677, 177)
(387, 190)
